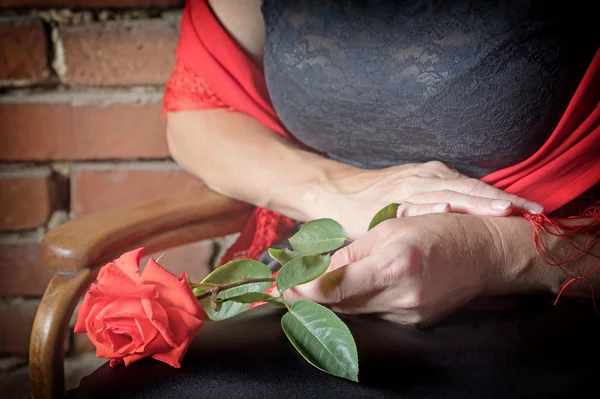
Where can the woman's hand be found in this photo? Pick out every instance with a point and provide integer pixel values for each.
(354, 197)
(414, 270)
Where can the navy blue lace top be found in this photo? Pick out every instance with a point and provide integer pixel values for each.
(478, 85)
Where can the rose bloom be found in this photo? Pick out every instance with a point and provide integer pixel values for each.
(129, 316)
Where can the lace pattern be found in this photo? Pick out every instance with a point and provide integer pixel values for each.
(477, 85)
(186, 91)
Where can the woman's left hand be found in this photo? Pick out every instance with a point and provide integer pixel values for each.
(412, 270)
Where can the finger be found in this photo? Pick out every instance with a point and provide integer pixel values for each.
(463, 203)
(337, 286)
(441, 170)
(407, 209)
(480, 189)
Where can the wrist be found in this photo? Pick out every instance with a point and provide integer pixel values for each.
(322, 196)
(516, 266)
(317, 191)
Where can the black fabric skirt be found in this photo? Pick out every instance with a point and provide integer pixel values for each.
(532, 350)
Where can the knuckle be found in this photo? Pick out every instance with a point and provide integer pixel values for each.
(416, 298)
(330, 289)
(406, 264)
(344, 255)
(403, 210)
(393, 272)
(514, 199)
(336, 293)
(404, 183)
(437, 165)
(445, 195)
(473, 186)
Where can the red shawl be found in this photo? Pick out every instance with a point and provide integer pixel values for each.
(213, 72)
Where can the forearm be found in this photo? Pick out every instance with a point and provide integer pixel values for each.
(521, 268)
(238, 157)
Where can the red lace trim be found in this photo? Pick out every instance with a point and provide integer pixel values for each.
(186, 91)
(264, 229)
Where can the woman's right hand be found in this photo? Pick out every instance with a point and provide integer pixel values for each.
(432, 187)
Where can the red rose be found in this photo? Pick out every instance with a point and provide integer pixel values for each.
(129, 316)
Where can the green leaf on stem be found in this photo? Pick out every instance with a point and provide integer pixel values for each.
(284, 255)
(318, 236)
(322, 339)
(233, 272)
(301, 270)
(253, 297)
(388, 212)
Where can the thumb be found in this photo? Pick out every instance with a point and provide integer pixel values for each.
(344, 256)
(325, 289)
(331, 287)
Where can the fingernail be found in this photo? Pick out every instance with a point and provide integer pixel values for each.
(501, 205)
(533, 207)
(440, 207)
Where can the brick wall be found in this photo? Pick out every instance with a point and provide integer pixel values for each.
(80, 131)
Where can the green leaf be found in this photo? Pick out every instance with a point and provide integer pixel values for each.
(301, 270)
(253, 297)
(318, 236)
(284, 255)
(322, 339)
(230, 273)
(388, 212)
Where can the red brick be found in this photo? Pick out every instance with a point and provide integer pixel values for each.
(23, 56)
(91, 3)
(17, 319)
(96, 187)
(82, 126)
(21, 264)
(28, 197)
(120, 52)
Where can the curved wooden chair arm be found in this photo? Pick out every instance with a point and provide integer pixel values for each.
(77, 249)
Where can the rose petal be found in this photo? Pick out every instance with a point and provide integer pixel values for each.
(158, 345)
(111, 273)
(182, 323)
(103, 349)
(88, 309)
(129, 262)
(155, 273)
(179, 295)
(185, 327)
(175, 290)
(130, 308)
(121, 335)
(125, 291)
(133, 358)
(148, 333)
(119, 340)
(159, 318)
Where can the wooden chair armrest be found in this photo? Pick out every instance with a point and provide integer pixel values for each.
(77, 249)
(157, 224)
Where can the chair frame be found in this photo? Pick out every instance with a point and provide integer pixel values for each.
(77, 249)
